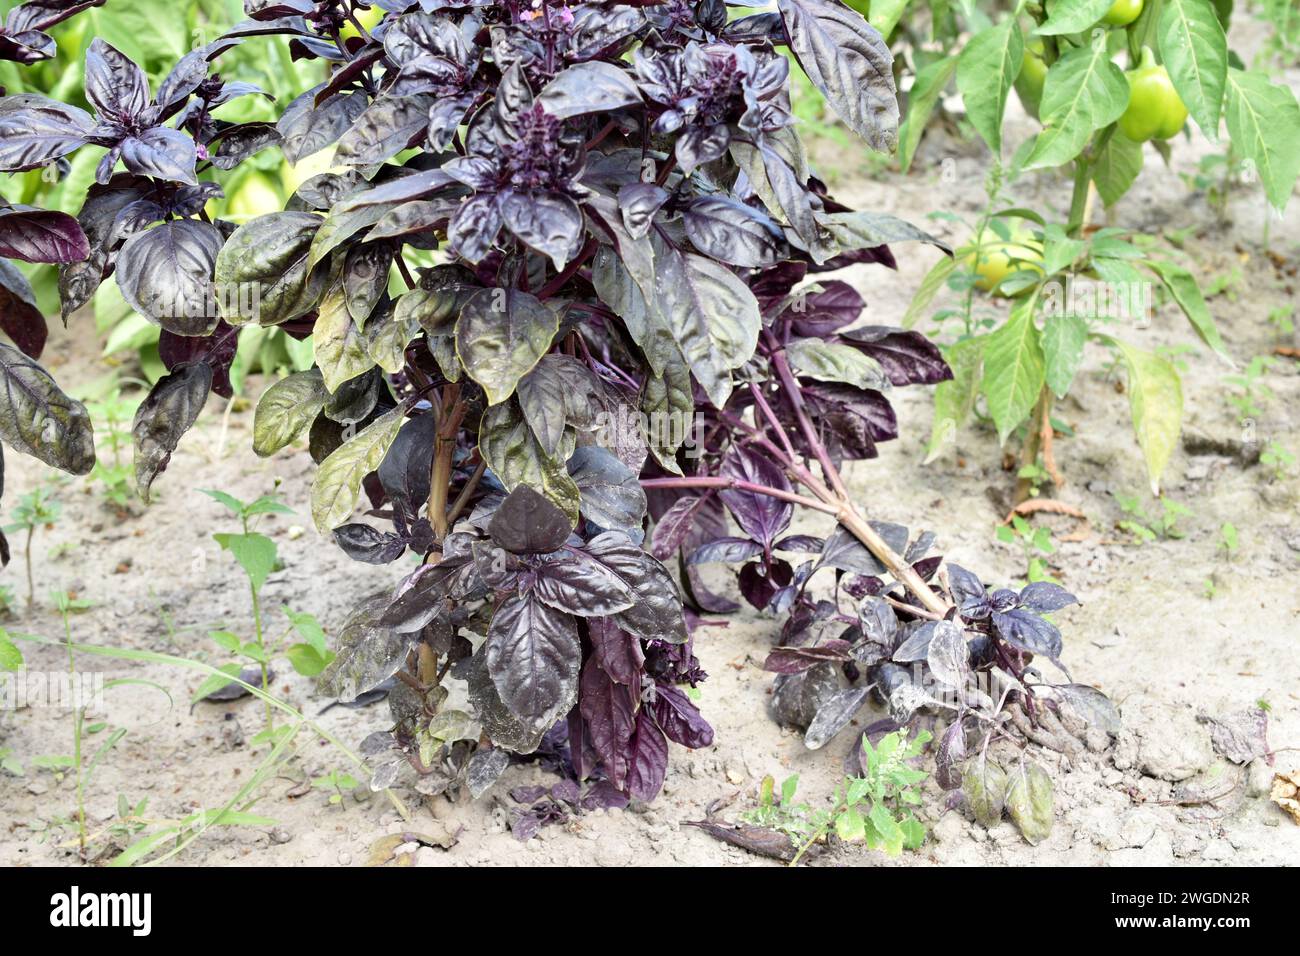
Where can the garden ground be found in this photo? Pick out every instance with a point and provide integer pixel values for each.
(1173, 629)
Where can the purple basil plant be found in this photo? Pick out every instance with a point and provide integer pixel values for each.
(564, 284)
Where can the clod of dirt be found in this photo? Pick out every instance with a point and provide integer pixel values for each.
(1171, 745)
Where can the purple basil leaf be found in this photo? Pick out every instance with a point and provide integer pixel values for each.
(795, 660)
(115, 86)
(39, 235)
(217, 350)
(618, 652)
(638, 203)
(908, 358)
(727, 550)
(671, 529)
(533, 655)
(680, 719)
(657, 613)
(801, 544)
(762, 517)
(361, 542)
(1029, 632)
(648, 762)
(35, 130)
(528, 523)
(1045, 597)
(834, 715)
(37, 418)
(164, 416)
(729, 231)
(165, 274)
(577, 584)
(821, 312)
(161, 153)
(609, 712)
(20, 317)
(404, 472)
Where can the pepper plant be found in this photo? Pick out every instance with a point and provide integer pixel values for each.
(1060, 58)
(563, 279)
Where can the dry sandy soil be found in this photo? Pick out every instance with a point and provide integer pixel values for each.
(1151, 631)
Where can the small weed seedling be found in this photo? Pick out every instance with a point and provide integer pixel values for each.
(1146, 525)
(116, 477)
(1250, 390)
(36, 509)
(1277, 459)
(1036, 543)
(308, 656)
(338, 784)
(1229, 541)
(875, 809)
(258, 557)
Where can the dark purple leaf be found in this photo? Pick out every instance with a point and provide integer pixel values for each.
(732, 232)
(762, 517)
(577, 584)
(679, 718)
(728, 550)
(822, 311)
(528, 523)
(35, 130)
(162, 418)
(161, 153)
(759, 840)
(671, 530)
(533, 657)
(1045, 597)
(618, 652)
(39, 235)
(795, 660)
(38, 419)
(908, 358)
(115, 86)
(20, 317)
(1029, 632)
(609, 712)
(657, 614)
(648, 763)
(361, 542)
(165, 274)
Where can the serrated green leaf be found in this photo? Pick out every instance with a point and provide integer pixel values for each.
(254, 552)
(337, 486)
